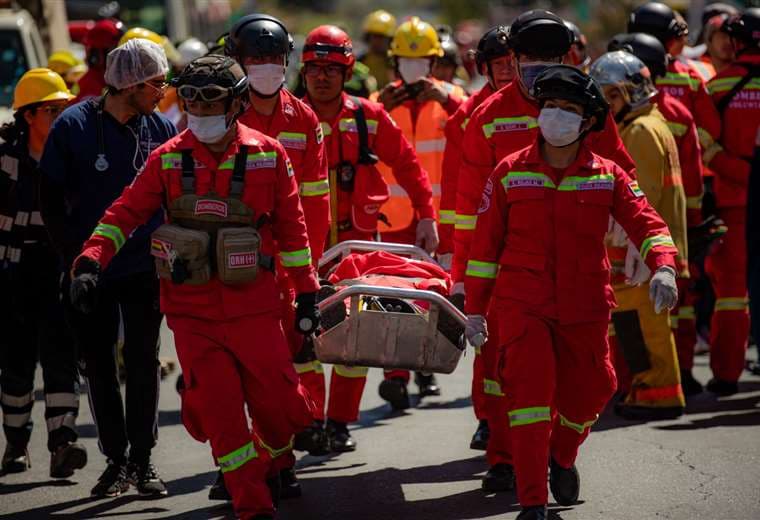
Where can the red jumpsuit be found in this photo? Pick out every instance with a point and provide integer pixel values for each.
(501, 125)
(539, 251)
(682, 125)
(727, 265)
(483, 378)
(356, 218)
(229, 339)
(296, 127)
(686, 85)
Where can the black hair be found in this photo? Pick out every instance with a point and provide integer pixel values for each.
(18, 129)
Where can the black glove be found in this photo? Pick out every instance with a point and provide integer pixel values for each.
(307, 313)
(84, 284)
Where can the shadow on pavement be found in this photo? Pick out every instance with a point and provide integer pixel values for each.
(9, 489)
(382, 496)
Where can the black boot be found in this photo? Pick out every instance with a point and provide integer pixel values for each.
(427, 384)
(480, 437)
(66, 458)
(533, 513)
(565, 483)
(722, 388)
(500, 477)
(394, 391)
(313, 440)
(340, 438)
(690, 385)
(289, 485)
(16, 459)
(218, 490)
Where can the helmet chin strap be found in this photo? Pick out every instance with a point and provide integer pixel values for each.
(621, 115)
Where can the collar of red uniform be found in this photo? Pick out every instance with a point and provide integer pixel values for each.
(585, 159)
(749, 56)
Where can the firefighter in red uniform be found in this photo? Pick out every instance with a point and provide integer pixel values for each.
(501, 125)
(681, 123)
(539, 250)
(99, 41)
(734, 91)
(494, 62)
(358, 133)
(230, 194)
(262, 45)
(681, 81)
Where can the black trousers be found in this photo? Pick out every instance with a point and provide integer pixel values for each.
(32, 328)
(133, 300)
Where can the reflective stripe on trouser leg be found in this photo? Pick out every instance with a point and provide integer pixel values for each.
(275, 452)
(236, 458)
(17, 417)
(727, 268)
(346, 389)
(660, 384)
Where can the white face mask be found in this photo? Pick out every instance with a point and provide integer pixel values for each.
(559, 127)
(413, 69)
(208, 129)
(266, 78)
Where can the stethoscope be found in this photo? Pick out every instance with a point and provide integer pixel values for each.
(101, 163)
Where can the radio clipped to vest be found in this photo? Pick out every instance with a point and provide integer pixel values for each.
(182, 249)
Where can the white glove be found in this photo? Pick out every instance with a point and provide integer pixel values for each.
(663, 291)
(427, 235)
(476, 330)
(636, 270)
(616, 235)
(457, 288)
(444, 260)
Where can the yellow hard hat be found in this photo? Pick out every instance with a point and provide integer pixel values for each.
(38, 86)
(380, 22)
(141, 32)
(67, 65)
(415, 39)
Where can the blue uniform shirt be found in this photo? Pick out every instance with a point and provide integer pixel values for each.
(69, 161)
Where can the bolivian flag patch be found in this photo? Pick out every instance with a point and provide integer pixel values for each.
(634, 187)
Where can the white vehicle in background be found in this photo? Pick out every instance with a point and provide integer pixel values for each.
(21, 49)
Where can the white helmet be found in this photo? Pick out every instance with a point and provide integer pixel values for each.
(625, 71)
(191, 49)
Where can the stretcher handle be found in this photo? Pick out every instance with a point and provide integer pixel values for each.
(344, 248)
(394, 292)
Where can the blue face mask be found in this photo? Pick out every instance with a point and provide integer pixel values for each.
(529, 71)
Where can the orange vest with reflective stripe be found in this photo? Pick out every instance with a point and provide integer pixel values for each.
(428, 139)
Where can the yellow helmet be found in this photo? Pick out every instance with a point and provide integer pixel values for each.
(141, 32)
(380, 22)
(38, 86)
(67, 65)
(415, 39)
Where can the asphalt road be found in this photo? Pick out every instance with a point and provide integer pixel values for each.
(417, 466)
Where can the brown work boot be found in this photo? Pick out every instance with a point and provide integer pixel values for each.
(16, 459)
(66, 458)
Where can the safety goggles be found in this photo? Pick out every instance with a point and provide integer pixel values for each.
(209, 92)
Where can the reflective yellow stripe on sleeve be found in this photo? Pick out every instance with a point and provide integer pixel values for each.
(465, 222)
(482, 269)
(314, 189)
(112, 232)
(299, 258)
(654, 241)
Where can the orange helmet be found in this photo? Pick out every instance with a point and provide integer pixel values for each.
(328, 43)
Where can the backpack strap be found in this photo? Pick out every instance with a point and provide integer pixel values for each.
(238, 172)
(366, 156)
(753, 71)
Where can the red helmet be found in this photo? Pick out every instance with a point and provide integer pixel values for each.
(105, 34)
(328, 43)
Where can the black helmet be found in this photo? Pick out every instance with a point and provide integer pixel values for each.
(450, 50)
(578, 37)
(656, 19)
(540, 33)
(645, 47)
(212, 70)
(258, 35)
(746, 27)
(493, 44)
(571, 84)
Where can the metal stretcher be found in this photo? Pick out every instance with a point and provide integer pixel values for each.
(374, 333)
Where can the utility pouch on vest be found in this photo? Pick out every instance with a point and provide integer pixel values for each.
(237, 254)
(181, 254)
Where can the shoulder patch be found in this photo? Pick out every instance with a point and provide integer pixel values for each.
(635, 190)
(289, 167)
(320, 135)
(485, 198)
